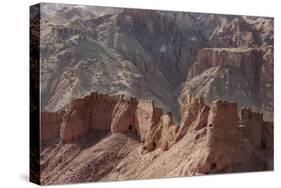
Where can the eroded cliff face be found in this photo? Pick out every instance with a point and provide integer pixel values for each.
(101, 112)
(162, 135)
(237, 142)
(232, 74)
(215, 138)
(147, 54)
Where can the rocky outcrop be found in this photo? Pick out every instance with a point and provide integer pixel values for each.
(249, 61)
(75, 120)
(222, 139)
(234, 75)
(215, 138)
(114, 114)
(147, 116)
(111, 113)
(150, 51)
(123, 117)
(244, 32)
(232, 141)
(50, 124)
(91, 112)
(162, 135)
(237, 143)
(194, 115)
(223, 130)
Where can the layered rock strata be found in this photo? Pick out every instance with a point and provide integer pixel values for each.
(233, 74)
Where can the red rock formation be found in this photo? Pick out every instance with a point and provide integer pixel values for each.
(76, 120)
(108, 113)
(249, 61)
(50, 124)
(228, 141)
(162, 135)
(194, 114)
(147, 116)
(91, 112)
(123, 117)
(241, 75)
(235, 142)
(222, 140)
(102, 107)
(210, 139)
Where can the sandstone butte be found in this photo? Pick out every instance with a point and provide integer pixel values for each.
(148, 144)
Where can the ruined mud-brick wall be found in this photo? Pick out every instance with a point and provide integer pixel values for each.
(108, 113)
(116, 115)
(147, 116)
(50, 124)
(162, 135)
(229, 140)
(60, 31)
(232, 140)
(93, 112)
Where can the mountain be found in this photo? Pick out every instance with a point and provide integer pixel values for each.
(133, 94)
(142, 53)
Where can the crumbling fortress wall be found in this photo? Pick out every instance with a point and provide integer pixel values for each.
(229, 140)
(106, 113)
(64, 31)
(50, 124)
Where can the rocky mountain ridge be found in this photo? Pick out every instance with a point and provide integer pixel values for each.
(177, 94)
(143, 53)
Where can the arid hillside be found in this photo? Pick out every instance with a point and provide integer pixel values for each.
(155, 55)
(133, 94)
(136, 140)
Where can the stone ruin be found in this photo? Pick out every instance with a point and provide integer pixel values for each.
(64, 31)
(230, 140)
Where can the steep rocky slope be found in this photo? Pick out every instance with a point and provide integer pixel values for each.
(232, 74)
(209, 139)
(141, 53)
(176, 93)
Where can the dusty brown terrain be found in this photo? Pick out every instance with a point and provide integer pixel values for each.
(153, 54)
(176, 93)
(139, 141)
